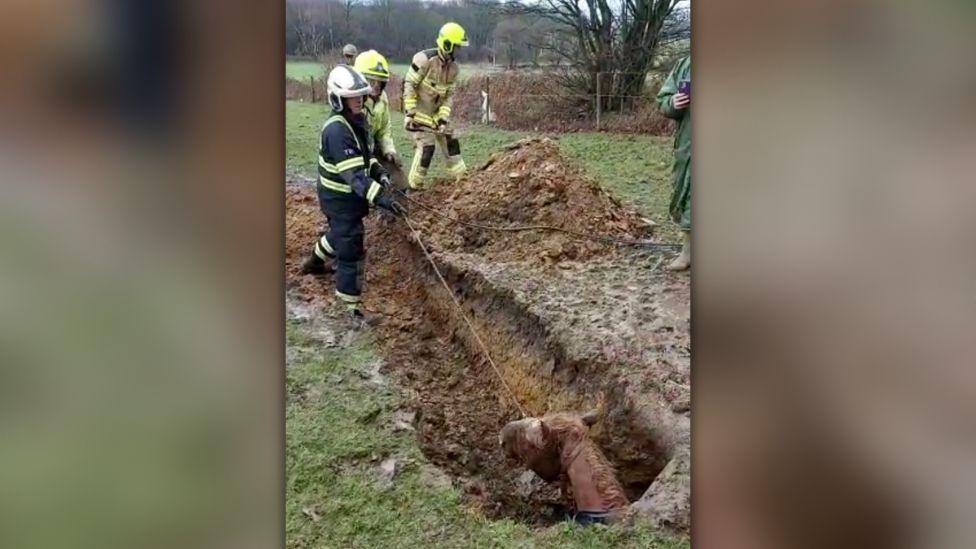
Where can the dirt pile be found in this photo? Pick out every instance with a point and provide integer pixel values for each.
(303, 223)
(527, 183)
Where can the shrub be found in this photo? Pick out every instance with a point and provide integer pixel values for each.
(530, 101)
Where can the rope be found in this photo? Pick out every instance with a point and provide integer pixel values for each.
(457, 305)
(519, 228)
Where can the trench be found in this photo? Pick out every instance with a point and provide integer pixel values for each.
(460, 403)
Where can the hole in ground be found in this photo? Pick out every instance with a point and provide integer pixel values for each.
(461, 405)
(459, 408)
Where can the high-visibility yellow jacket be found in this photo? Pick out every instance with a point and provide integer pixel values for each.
(378, 114)
(428, 87)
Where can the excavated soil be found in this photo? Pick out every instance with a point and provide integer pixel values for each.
(572, 326)
(527, 183)
(459, 409)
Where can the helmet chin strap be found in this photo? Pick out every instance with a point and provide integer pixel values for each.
(381, 85)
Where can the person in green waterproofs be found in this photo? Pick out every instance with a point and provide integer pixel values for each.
(674, 100)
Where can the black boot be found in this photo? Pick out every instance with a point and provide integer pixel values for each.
(315, 265)
(363, 317)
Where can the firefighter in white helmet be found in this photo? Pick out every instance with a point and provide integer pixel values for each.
(427, 94)
(350, 181)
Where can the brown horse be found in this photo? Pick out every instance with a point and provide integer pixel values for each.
(558, 447)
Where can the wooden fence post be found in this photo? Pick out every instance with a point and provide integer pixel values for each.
(487, 100)
(311, 86)
(620, 89)
(599, 77)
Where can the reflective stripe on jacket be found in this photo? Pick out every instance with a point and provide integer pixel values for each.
(346, 164)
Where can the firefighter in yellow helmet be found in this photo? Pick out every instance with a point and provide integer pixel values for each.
(427, 94)
(377, 71)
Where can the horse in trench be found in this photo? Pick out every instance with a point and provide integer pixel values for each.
(557, 447)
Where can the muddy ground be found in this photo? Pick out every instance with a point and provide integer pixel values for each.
(571, 324)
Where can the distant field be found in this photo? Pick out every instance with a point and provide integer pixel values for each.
(304, 121)
(634, 168)
(301, 69)
(467, 69)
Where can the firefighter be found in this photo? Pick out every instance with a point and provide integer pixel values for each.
(374, 66)
(427, 94)
(350, 181)
(349, 53)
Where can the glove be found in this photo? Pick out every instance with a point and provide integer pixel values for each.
(393, 158)
(388, 203)
(442, 125)
(385, 181)
(409, 123)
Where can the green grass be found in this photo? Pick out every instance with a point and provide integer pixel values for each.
(634, 168)
(400, 69)
(303, 122)
(467, 69)
(301, 70)
(337, 432)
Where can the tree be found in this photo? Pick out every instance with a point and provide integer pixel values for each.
(478, 19)
(511, 40)
(608, 47)
(396, 28)
(308, 33)
(347, 8)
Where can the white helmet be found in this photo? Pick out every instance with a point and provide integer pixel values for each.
(345, 81)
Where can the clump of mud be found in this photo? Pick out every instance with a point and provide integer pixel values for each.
(527, 183)
(303, 225)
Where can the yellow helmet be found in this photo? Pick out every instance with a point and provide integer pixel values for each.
(451, 35)
(373, 65)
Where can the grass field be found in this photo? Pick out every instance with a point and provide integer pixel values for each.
(336, 414)
(337, 418)
(635, 168)
(303, 122)
(302, 69)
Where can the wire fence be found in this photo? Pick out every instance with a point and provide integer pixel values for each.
(542, 102)
(605, 98)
